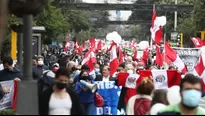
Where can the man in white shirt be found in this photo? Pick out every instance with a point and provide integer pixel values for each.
(105, 75)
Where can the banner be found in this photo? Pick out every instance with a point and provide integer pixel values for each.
(189, 56)
(7, 100)
(110, 94)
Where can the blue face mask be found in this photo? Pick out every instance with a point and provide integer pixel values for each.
(97, 70)
(191, 98)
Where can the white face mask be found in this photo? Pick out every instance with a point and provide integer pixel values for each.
(40, 62)
(130, 71)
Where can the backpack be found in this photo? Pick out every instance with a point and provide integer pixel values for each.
(46, 81)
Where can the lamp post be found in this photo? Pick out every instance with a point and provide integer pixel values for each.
(3, 18)
(27, 97)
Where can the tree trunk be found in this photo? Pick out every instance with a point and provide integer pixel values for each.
(3, 19)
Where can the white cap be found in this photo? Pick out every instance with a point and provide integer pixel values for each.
(56, 64)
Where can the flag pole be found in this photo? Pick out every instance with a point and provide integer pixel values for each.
(151, 40)
(165, 38)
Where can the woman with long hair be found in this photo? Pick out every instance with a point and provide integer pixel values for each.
(85, 94)
(60, 99)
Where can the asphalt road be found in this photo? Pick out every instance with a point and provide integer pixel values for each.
(202, 104)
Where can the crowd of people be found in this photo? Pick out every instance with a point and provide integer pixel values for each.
(62, 93)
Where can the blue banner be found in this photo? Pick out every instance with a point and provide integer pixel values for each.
(111, 94)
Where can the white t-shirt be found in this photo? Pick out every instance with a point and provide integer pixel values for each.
(105, 79)
(60, 106)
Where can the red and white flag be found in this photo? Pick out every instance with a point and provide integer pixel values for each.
(114, 63)
(9, 100)
(121, 55)
(90, 59)
(135, 54)
(199, 68)
(99, 46)
(162, 79)
(197, 42)
(145, 56)
(128, 80)
(174, 57)
(66, 46)
(159, 59)
(156, 29)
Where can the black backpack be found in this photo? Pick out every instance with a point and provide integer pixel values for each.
(45, 82)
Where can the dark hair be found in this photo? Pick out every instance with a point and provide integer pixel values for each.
(85, 67)
(190, 78)
(8, 60)
(122, 65)
(62, 71)
(80, 75)
(160, 96)
(145, 87)
(170, 67)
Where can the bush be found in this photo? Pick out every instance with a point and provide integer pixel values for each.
(7, 112)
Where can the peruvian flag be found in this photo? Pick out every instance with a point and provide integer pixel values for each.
(78, 48)
(114, 63)
(121, 55)
(130, 81)
(159, 59)
(135, 54)
(162, 79)
(145, 56)
(199, 68)
(174, 57)
(92, 43)
(99, 46)
(156, 29)
(90, 59)
(66, 46)
(197, 42)
(165, 58)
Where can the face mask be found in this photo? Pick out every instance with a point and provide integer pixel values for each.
(40, 62)
(61, 86)
(85, 78)
(191, 98)
(97, 70)
(73, 68)
(130, 71)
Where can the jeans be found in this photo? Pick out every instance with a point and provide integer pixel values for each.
(88, 108)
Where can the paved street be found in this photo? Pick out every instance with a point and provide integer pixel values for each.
(203, 102)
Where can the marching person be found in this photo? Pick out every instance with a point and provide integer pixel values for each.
(85, 94)
(59, 99)
(140, 103)
(191, 93)
(38, 70)
(105, 75)
(9, 72)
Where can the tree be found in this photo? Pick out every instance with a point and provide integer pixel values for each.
(54, 22)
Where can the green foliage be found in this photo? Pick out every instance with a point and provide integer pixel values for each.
(54, 22)
(13, 20)
(7, 112)
(82, 36)
(189, 23)
(78, 20)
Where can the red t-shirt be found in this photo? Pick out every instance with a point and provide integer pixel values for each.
(142, 106)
